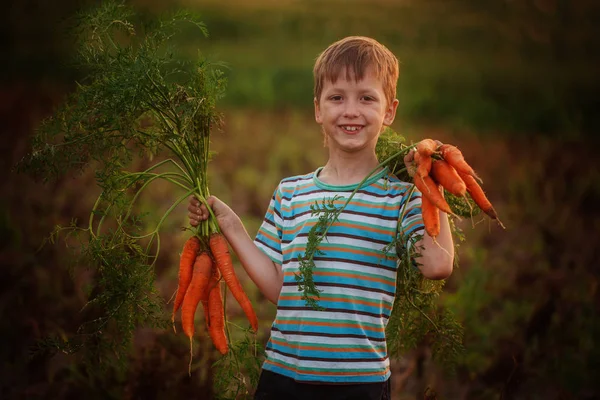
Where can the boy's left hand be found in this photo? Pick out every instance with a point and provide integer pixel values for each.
(409, 160)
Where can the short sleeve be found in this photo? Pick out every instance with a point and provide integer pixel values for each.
(268, 238)
(411, 223)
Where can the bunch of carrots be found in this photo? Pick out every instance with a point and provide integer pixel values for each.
(444, 165)
(203, 264)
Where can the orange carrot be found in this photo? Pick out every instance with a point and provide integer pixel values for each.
(429, 188)
(186, 267)
(195, 291)
(423, 164)
(214, 280)
(444, 174)
(216, 328)
(426, 147)
(431, 216)
(455, 158)
(479, 197)
(220, 250)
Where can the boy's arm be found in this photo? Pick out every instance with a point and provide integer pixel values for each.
(437, 259)
(266, 274)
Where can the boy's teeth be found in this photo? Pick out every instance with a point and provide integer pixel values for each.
(351, 128)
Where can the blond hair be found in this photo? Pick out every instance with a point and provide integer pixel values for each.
(356, 54)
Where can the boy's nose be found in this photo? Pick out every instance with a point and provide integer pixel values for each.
(351, 110)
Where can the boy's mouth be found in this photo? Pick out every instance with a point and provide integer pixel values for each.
(351, 129)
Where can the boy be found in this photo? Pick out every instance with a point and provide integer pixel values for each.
(339, 352)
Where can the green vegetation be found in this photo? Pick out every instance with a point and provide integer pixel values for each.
(527, 297)
(499, 66)
(136, 97)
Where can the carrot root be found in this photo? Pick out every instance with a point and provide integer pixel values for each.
(193, 295)
(426, 147)
(186, 268)
(453, 156)
(429, 188)
(431, 217)
(217, 320)
(479, 197)
(444, 174)
(423, 164)
(191, 357)
(220, 250)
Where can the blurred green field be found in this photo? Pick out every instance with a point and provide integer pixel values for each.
(486, 66)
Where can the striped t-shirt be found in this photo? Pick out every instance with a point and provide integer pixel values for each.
(345, 343)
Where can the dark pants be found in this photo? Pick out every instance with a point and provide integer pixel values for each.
(272, 386)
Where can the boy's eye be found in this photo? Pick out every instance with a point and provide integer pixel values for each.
(368, 98)
(336, 98)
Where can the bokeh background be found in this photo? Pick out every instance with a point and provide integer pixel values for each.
(513, 83)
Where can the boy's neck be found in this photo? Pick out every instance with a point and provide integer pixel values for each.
(347, 169)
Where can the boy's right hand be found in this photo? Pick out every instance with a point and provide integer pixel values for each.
(198, 212)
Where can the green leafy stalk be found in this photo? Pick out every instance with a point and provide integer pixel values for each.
(328, 214)
(416, 318)
(135, 100)
(237, 373)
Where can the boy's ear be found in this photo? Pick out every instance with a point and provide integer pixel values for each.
(317, 112)
(390, 113)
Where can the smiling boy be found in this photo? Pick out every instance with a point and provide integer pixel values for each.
(339, 352)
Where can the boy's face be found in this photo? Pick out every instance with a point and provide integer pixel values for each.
(353, 113)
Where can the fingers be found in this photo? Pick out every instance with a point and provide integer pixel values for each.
(410, 156)
(194, 219)
(196, 211)
(210, 200)
(217, 206)
(409, 162)
(409, 159)
(193, 204)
